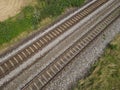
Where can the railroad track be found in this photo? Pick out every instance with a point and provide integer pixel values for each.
(47, 74)
(20, 57)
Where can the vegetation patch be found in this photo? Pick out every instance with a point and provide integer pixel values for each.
(31, 17)
(105, 73)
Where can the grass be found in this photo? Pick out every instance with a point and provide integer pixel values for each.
(105, 74)
(32, 17)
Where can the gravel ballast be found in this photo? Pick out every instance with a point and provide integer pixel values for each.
(76, 69)
(82, 63)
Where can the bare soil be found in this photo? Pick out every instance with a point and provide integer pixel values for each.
(9, 8)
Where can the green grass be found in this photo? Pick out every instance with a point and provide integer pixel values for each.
(105, 74)
(31, 17)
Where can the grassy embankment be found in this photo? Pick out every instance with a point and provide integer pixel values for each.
(33, 17)
(105, 74)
